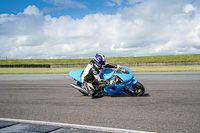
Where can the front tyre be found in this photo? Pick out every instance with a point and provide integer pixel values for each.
(138, 89)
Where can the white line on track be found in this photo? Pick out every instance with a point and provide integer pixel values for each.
(84, 127)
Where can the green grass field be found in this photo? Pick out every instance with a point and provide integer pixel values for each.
(169, 58)
(36, 70)
(67, 70)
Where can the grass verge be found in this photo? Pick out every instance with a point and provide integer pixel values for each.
(67, 70)
(165, 68)
(36, 70)
(167, 58)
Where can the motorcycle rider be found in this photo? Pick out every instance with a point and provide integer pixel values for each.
(91, 74)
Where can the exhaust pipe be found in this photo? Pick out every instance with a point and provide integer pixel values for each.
(79, 88)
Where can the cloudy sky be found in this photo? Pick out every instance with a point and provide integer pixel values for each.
(33, 29)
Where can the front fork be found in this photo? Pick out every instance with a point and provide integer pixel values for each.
(134, 81)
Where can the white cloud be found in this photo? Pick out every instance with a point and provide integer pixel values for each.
(31, 10)
(133, 1)
(153, 27)
(21, 40)
(6, 18)
(119, 2)
(110, 3)
(189, 7)
(114, 3)
(62, 5)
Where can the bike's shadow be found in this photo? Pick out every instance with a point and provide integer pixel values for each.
(126, 95)
(122, 95)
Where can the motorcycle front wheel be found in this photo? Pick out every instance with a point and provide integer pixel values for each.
(138, 89)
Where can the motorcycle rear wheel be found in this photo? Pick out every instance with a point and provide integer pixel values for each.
(138, 89)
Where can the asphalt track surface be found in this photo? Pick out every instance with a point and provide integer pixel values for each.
(170, 104)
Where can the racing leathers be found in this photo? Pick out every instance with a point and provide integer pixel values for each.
(90, 77)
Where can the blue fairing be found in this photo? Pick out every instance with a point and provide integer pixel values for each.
(107, 74)
(126, 75)
(76, 74)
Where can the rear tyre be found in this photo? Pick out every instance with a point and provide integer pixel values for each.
(138, 89)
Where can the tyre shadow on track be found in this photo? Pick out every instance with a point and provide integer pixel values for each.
(121, 95)
(126, 95)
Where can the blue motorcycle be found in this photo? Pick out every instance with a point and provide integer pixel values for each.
(121, 80)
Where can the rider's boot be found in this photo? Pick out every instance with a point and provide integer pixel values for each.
(90, 89)
(90, 92)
